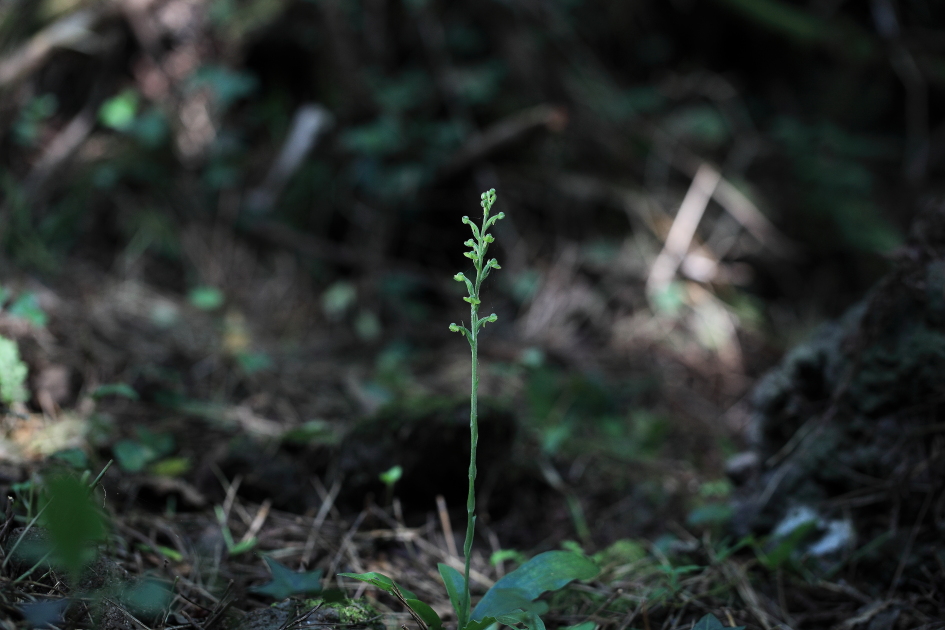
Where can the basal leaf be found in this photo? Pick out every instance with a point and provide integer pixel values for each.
(377, 579)
(481, 624)
(426, 613)
(455, 588)
(503, 601)
(381, 581)
(547, 571)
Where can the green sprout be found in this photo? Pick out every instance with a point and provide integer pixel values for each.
(512, 600)
(390, 478)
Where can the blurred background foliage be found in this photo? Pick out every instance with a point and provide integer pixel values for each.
(269, 171)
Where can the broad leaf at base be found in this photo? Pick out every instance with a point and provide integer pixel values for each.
(547, 571)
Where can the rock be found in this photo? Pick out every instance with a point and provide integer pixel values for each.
(742, 466)
(846, 426)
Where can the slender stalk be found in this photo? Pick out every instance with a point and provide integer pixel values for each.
(479, 246)
(473, 443)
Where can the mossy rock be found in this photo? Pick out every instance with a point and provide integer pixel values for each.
(845, 425)
(347, 615)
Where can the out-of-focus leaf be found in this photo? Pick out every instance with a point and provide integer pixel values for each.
(338, 298)
(148, 597)
(709, 514)
(119, 111)
(380, 138)
(228, 86)
(73, 522)
(132, 456)
(391, 476)
(74, 457)
(171, 467)
(286, 582)
(206, 298)
(45, 613)
(252, 362)
(27, 307)
(123, 390)
(711, 622)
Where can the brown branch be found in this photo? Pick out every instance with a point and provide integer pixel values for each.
(71, 31)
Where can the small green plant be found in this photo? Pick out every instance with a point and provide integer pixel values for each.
(511, 600)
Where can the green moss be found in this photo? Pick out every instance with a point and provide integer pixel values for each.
(349, 612)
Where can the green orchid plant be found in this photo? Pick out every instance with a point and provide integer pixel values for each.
(512, 600)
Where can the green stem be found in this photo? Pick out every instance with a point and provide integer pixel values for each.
(473, 442)
(483, 267)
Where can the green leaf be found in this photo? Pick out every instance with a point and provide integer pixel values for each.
(206, 298)
(286, 582)
(455, 588)
(392, 476)
(171, 467)
(252, 362)
(505, 600)
(73, 521)
(149, 597)
(74, 457)
(115, 389)
(133, 456)
(426, 613)
(711, 622)
(480, 624)
(381, 581)
(242, 547)
(27, 307)
(119, 111)
(547, 571)
(377, 579)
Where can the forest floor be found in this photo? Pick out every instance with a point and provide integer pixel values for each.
(229, 231)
